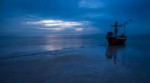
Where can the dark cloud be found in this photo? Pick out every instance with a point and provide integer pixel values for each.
(100, 13)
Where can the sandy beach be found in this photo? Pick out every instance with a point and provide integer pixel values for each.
(79, 60)
(78, 65)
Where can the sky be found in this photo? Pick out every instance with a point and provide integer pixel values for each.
(46, 17)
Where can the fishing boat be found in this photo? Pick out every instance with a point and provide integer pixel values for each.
(113, 38)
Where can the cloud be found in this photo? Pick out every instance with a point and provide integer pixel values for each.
(28, 15)
(90, 4)
(52, 29)
(58, 25)
(79, 29)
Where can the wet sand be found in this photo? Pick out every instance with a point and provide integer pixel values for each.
(77, 65)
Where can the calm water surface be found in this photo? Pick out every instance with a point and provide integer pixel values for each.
(74, 59)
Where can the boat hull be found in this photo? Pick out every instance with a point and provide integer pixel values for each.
(116, 40)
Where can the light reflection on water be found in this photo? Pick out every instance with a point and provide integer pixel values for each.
(60, 43)
(112, 53)
(25, 45)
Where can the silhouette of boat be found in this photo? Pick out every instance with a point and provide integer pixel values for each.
(120, 40)
(114, 38)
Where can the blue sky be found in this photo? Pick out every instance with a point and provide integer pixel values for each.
(44, 17)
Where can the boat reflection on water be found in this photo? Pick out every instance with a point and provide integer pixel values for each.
(113, 52)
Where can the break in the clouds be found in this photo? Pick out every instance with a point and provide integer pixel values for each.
(58, 25)
(55, 23)
(19, 17)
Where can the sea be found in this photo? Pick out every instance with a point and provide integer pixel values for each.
(74, 59)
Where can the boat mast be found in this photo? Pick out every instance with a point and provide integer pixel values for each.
(116, 25)
(116, 28)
